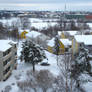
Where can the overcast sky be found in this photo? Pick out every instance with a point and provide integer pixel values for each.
(46, 4)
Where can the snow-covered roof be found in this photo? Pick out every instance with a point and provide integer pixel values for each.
(43, 37)
(86, 39)
(20, 30)
(33, 34)
(5, 45)
(72, 33)
(66, 42)
(51, 42)
(59, 32)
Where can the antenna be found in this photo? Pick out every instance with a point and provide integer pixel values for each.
(65, 16)
(65, 6)
(65, 9)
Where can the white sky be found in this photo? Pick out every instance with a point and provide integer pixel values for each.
(46, 4)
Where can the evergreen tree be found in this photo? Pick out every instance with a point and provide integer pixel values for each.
(81, 64)
(32, 53)
(57, 47)
(25, 51)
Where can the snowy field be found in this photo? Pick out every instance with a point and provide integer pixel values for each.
(35, 22)
(41, 25)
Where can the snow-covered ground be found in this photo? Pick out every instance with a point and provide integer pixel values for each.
(90, 25)
(42, 20)
(41, 25)
(22, 68)
(8, 20)
(88, 87)
(35, 22)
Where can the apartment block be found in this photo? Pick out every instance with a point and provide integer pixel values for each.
(8, 58)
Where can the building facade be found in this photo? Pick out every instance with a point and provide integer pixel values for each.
(8, 58)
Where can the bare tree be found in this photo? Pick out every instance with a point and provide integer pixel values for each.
(64, 64)
(25, 22)
(45, 79)
(42, 79)
(64, 81)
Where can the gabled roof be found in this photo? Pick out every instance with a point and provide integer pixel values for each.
(27, 30)
(66, 42)
(72, 33)
(86, 39)
(33, 34)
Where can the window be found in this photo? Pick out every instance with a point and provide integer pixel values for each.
(5, 62)
(15, 60)
(15, 53)
(5, 72)
(15, 46)
(66, 49)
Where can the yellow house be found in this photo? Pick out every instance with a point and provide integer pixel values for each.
(75, 46)
(65, 44)
(23, 34)
(80, 40)
(63, 35)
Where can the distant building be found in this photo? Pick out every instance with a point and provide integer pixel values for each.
(75, 16)
(23, 33)
(8, 58)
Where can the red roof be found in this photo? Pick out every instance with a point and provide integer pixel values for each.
(88, 16)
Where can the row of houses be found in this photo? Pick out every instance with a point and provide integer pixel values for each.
(8, 58)
(71, 41)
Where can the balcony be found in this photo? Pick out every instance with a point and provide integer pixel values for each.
(7, 56)
(7, 75)
(7, 65)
